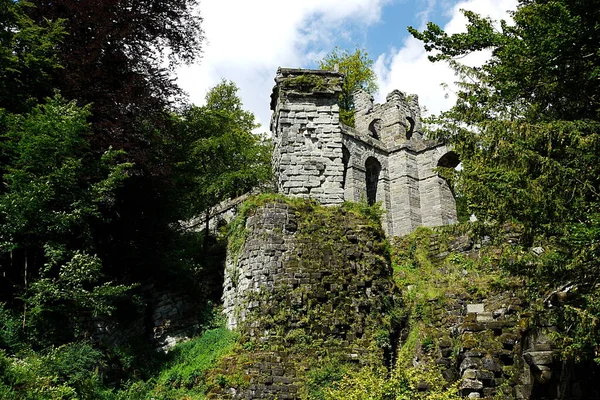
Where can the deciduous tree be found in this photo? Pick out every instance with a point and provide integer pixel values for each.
(54, 194)
(358, 72)
(119, 55)
(221, 156)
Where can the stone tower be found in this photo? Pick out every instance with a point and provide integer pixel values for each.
(384, 158)
(307, 157)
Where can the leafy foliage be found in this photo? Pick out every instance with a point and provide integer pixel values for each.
(358, 74)
(526, 125)
(66, 372)
(81, 220)
(190, 362)
(27, 56)
(53, 196)
(220, 156)
(119, 56)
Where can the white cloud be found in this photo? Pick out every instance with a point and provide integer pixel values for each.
(247, 40)
(409, 70)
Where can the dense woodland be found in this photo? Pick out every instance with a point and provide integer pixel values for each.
(102, 158)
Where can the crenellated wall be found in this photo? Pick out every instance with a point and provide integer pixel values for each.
(384, 158)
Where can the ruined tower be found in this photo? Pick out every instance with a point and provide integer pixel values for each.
(384, 158)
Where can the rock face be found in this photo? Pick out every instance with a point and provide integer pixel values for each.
(308, 282)
(383, 159)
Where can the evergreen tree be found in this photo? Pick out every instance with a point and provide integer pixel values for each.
(526, 125)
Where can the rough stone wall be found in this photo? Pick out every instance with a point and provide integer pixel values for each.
(406, 213)
(309, 282)
(307, 156)
(492, 343)
(436, 198)
(167, 318)
(310, 142)
(258, 266)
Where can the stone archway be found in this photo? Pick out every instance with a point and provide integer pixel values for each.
(411, 128)
(449, 160)
(375, 128)
(447, 199)
(345, 162)
(372, 172)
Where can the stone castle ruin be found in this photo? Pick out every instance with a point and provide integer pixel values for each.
(384, 158)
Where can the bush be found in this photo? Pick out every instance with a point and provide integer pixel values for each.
(9, 331)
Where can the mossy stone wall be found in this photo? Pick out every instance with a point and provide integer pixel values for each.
(308, 283)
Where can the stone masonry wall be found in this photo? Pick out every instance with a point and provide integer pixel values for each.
(398, 119)
(168, 317)
(490, 341)
(360, 149)
(310, 143)
(436, 198)
(310, 282)
(307, 155)
(269, 244)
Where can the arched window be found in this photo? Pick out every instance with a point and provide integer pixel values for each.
(449, 160)
(375, 128)
(372, 171)
(448, 201)
(345, 161)
(411, 128)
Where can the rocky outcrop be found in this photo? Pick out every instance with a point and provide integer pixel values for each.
(486, 336)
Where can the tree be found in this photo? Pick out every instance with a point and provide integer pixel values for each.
(526, 125)
(526, 121)
(54, 193)
(119, 56)
(544, 67)
(27, 56)
(220, 156)
(358, 72)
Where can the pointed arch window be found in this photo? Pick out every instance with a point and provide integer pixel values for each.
(372, 170)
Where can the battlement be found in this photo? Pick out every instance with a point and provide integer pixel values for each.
(384, 158)
(394, 122)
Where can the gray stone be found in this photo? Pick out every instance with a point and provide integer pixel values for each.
(537, 250)
(471, 384)
(536, 358)
(475, 308)
(485, 317)
(384, 158)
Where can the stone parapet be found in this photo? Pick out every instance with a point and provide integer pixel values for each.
(384, 158)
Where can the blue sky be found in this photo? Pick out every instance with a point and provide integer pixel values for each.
(246, 42)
